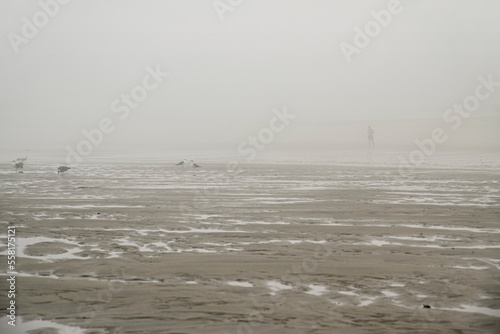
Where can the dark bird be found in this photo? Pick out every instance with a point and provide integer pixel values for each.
(62, 169)
(427, 306)
(182, 163)
(19, 165)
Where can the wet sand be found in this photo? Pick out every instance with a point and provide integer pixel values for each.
(277, 249)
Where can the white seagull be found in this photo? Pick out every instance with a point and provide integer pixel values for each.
(195, 165)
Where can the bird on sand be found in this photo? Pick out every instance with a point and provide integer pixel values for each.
(194, 165)
(19, 165)
(62, 169)
(182, 163)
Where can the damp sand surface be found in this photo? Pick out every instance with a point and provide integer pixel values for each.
(148, 248)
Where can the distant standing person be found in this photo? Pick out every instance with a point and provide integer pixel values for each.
(371, 142)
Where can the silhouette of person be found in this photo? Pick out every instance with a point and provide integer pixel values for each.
(371, 142)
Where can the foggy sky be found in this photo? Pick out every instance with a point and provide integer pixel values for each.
(226, 77)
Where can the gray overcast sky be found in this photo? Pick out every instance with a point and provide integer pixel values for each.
(227, 76)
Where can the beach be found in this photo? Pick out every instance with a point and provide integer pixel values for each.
(274, 248)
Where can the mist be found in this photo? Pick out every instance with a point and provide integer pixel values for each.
(228, 70)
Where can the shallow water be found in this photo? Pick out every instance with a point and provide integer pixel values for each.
(29, 326)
